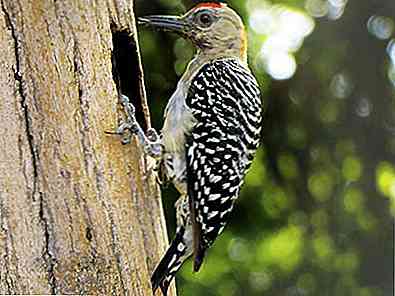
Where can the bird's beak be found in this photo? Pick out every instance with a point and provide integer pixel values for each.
(173, 24)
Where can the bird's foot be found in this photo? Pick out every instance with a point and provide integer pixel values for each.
(150, 141)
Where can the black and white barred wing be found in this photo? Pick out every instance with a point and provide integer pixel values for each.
(225, 100)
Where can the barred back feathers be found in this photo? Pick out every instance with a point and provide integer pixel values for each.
(225, 99)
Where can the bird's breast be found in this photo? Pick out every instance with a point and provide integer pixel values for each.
(179, 121)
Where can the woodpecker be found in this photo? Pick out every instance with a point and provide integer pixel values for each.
(211, 130)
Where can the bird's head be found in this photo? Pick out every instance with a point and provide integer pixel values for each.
(213, 27)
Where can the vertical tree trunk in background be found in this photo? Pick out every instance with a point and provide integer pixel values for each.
(79, 212)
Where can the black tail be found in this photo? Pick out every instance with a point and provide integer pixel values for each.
(199, 258)
(170, 263)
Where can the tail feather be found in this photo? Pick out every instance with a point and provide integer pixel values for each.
(170, 263)
(199, 256)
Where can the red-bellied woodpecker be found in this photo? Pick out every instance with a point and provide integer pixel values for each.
(211, 130)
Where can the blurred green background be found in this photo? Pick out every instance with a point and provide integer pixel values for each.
(316, 214)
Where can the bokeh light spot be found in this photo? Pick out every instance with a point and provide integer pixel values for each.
(341, 86)
(364, 107)
(280, 43)
(353, 200)
(381, 27)
(295, 23)
(238, 250)
(385, 176)
(276, 202)
(288, 166)
(391, 50)
(385, 180)
(282, 249)
(336, 8)
(352, 168)
(391, 74)
(262, 21)
(284, 30)
(260, 281)
(338, 3)
(323, 248)
(317, 8)
(321, 186)
(281, 65)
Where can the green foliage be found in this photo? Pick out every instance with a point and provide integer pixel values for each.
(316, 211)
(281, 250)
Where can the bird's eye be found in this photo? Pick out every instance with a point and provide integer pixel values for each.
(205, 19)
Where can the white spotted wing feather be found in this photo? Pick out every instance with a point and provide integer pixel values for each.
(225, 101)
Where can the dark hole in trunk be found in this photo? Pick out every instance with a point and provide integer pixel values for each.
(126, 71)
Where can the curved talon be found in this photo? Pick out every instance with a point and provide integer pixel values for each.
(134, 128)
(126, 141)
(124, 126)
(152, 135)
(150, 140)
(125, 100)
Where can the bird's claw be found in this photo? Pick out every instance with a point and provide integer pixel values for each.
(150, 141)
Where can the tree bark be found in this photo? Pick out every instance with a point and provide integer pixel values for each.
(79, 212)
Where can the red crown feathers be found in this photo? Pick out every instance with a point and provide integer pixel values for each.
(210, 5)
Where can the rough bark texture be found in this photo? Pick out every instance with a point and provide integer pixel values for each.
(79, 212)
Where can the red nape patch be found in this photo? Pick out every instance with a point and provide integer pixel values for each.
(210, 5)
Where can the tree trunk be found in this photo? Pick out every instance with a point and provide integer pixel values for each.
(79, 212)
